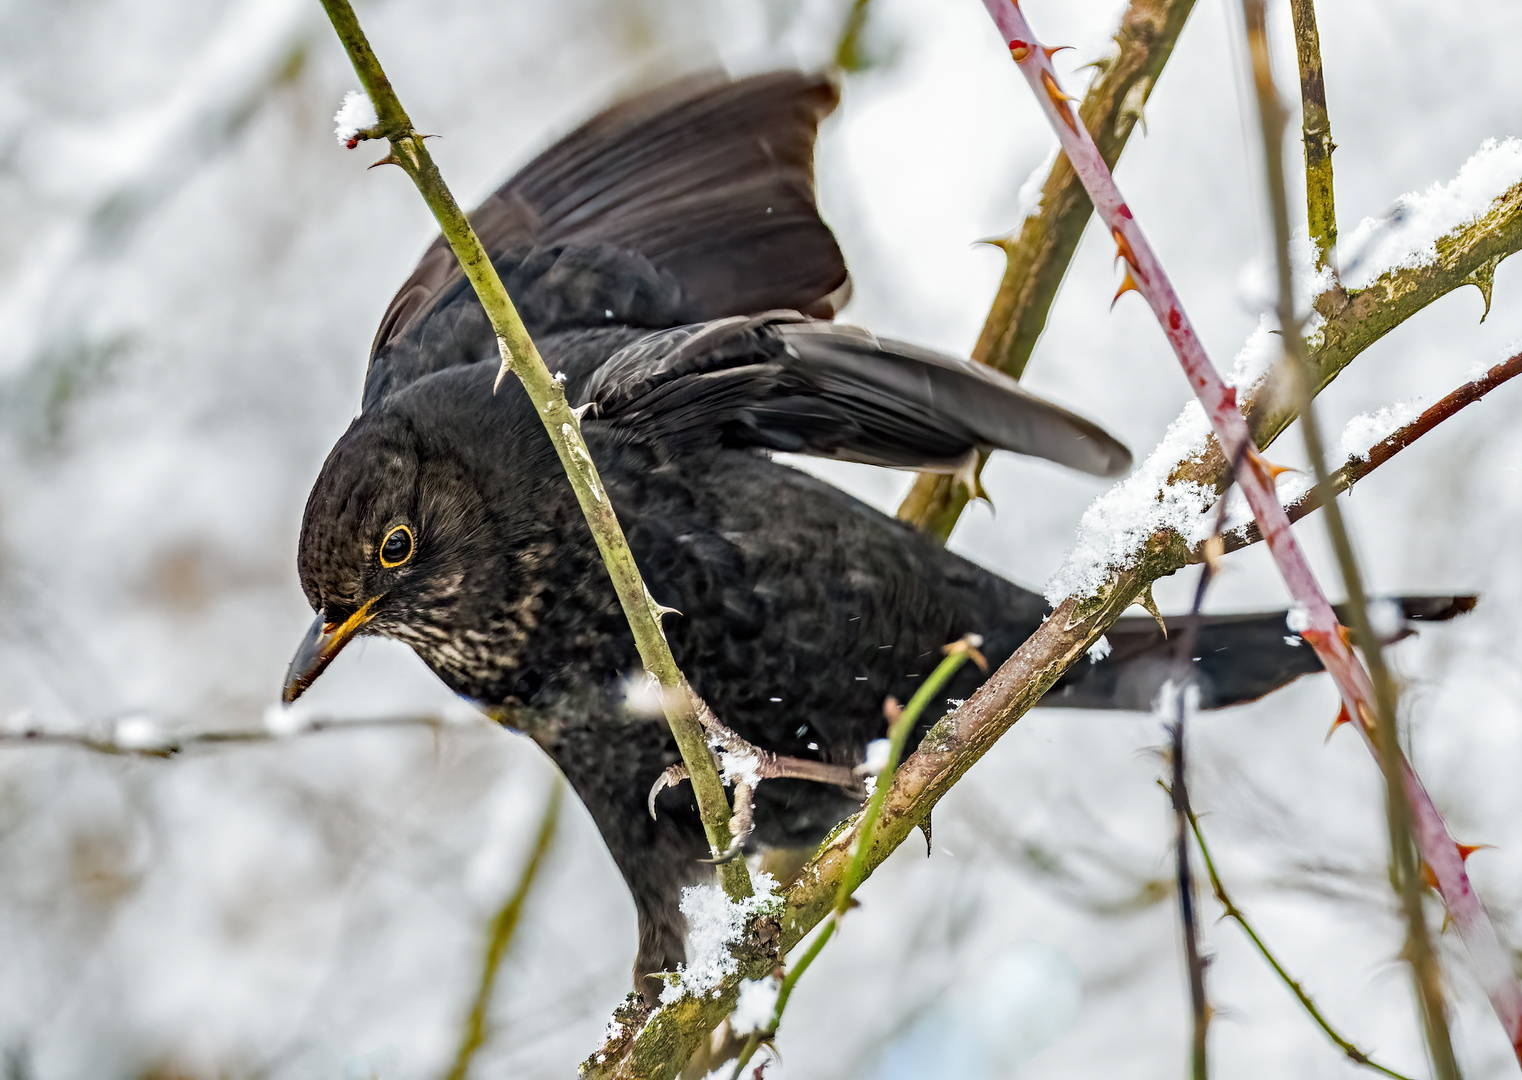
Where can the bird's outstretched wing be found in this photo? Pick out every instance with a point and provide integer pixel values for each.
(784, 382)
(691, 202)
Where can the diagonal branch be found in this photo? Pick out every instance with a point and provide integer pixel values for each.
(564, 428)
(1357, 468)
(1039, 252)
(1231, 911)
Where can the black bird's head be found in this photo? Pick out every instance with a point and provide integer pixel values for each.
(408, 534)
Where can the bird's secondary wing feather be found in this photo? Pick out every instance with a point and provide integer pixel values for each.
(783, 382)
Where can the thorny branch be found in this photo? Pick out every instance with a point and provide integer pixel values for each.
(503, 927)
(1353, 322)
(1231, 911)
(520, 356)
(1037, 256)
(1398, 808)
(1356, 468)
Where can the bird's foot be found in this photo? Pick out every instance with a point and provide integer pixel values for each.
(745, 765)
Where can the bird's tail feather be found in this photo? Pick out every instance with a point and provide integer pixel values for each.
(1235, 658)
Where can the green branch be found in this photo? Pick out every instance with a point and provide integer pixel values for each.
(1038, 256)
(1235, 913)
(564, 427)
(503, 926)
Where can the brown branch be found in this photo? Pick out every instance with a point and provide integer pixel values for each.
(1358, 467)
(1038, 257)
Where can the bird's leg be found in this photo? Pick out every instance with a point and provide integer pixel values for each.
(741, 823)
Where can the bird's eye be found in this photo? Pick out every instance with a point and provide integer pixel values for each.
(397, 547)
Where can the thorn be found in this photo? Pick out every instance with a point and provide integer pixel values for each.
(1466, 850)
(501, 374)
(1342, 718)
(389, 159)
(1128, 285)
(1149, 602)
(1123, 248)
(969, 644)
(1053, 50)
(1428, 877)
(1020, 50)
(1059, 100)
(662, 609)
(1273, 470)
(1347, 639)
(1003, 242)
(581, 410)
(925, 828)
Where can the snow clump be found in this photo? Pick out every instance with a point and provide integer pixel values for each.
(758, 1001)
(356, 114)
(714, 924)
(1368, 429)
(1408, 235)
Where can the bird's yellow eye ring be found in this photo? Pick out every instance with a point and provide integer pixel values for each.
(397, 547)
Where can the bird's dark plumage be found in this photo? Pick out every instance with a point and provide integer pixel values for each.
(670, 262)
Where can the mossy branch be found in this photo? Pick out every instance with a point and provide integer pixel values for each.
(1315, 133)
(1039, 253)
(564, 427)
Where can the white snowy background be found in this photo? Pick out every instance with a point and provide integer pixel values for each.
(190, 273)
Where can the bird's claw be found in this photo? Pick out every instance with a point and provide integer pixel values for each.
(671, 777)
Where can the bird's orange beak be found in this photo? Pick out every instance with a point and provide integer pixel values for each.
(323, 641)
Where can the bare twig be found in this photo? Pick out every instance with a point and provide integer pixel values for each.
(1324, 633)
(1316, 133)
(503, 926)
(1408, 884)
(1038, 253)
(1235, 913)
(520, 356)
(149, 740)
(1356, 468)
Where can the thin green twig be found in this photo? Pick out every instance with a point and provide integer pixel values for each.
(1404, 873)
(564, 427)
(1235, 913)
(902, 724)
(503, 926)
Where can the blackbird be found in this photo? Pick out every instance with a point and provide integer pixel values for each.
(670, 262)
